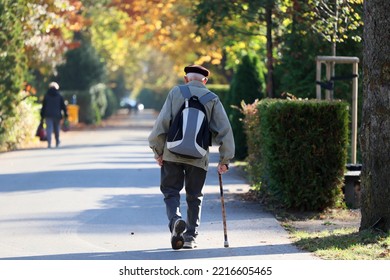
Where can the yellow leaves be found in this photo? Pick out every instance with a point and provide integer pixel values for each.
(211, 32)
(158, 24)
(287, 21)
(357, 16)
(166, 26)
(203, 59)
(110, 37)
(196, 39)
(357, 38)
(216, 56)
(216, 61)
(213, 56)
(359, 2)
(150, 34)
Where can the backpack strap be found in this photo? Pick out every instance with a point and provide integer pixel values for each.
(185, 91)
(207, 97)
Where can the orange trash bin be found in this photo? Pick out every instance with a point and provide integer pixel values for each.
(73, 113)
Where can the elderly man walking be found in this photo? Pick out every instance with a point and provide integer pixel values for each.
(179, 171)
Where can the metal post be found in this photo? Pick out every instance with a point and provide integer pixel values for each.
(328, 61)
(318, 78)
(354, 112)
(328, 74)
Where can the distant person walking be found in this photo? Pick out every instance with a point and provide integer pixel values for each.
(176, 170)
(53, 110)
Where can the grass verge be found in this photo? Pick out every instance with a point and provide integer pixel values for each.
(332, 234)
(344, 244)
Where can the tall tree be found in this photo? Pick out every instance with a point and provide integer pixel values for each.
(245, 87)
(375, 130)
(241, 18)
(135, 36)
(336, 20)
(166, 26)
(48, 31)
(300, 44)
(83, 67)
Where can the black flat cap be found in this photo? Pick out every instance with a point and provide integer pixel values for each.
(197, 69)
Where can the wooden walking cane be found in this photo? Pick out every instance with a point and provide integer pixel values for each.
(226, 242)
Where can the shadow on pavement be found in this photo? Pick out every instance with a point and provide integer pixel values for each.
(169, 254)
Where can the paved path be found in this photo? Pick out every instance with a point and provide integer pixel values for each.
(97, 198)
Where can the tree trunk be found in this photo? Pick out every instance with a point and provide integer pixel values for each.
(375, 130)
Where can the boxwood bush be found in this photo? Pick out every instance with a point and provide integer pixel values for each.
(300, 150)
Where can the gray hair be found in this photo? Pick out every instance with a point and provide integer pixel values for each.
(195, 76)
(54, 85)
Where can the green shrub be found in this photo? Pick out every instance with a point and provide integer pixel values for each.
(99, 101)
(112, 103)
(83, 67)
(20, 128)
(246, 86)
(251, 123)
(303, 151)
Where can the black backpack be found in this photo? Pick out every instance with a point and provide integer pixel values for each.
(189, 135)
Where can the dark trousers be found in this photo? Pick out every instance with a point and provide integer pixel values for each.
(53, 125)
(174, 176)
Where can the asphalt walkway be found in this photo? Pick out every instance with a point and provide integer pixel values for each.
(97, 198)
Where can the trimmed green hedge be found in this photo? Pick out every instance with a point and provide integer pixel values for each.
(302, 151)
